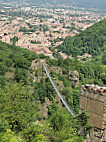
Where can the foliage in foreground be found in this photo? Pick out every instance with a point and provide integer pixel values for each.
(18, 120)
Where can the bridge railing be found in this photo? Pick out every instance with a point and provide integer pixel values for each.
(57, 91)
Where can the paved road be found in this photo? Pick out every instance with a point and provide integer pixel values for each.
(57, 91)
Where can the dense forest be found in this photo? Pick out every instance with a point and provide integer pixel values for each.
(91, 41)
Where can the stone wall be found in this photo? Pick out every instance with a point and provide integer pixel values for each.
(93, 100)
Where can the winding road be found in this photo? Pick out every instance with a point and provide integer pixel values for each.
(57, 91)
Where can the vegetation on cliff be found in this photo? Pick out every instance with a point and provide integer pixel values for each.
(22, 100)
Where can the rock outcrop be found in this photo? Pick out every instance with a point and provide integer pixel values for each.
(73, 76)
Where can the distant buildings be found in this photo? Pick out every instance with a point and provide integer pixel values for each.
(61, 23)
(63, 55)
(84, 56)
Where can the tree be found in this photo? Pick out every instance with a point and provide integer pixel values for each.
(9, 136)
(3, 69)
(8, 62)
(22, 62)
(17, 107)
(103, 77)
(104, 59)
(21, 75)
(83, 121)
(2, 81)
(14, 40)
(45, 28)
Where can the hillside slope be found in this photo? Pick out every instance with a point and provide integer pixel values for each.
(26, 95)
(91, 41)
(29, 108)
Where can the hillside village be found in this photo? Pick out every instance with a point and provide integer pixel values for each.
(38, 29)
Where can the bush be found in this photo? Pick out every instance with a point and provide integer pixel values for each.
(2, 81)
(8, 62)
(3, 69)
(38, 116)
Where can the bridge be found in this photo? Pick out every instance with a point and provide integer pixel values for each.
(57, 91)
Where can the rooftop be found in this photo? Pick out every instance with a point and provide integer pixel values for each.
(95, 88)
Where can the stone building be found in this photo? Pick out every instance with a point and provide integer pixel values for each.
(93, 100)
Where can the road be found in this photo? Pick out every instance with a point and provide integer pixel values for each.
(57, 91)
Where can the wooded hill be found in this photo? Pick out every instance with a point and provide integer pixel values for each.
(91, 41)
(23, 101)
